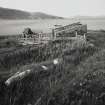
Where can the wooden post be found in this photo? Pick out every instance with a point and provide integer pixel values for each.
(76, 34)
(39, 39)
(55, 36)
(84, 36)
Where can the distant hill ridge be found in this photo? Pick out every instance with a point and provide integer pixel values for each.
(6, 13)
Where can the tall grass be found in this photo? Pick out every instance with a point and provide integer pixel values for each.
(22, 55)
(80, 85)
(97, 38)
(77, 80)
(49, 87)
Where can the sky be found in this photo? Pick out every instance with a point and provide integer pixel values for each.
(64, 8)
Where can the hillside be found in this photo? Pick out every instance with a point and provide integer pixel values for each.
(39, 15)
(13, 14)
(6, 13)
(77, 78)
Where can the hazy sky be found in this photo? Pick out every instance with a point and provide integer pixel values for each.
(65, 8)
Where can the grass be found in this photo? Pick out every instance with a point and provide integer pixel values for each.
(9, 41)
(85, 87)
(77, 80)
(97, 38)
(13, 58)
(44, 84)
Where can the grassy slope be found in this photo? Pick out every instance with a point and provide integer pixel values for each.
(77, 80)
(86, 86)
(97, 38)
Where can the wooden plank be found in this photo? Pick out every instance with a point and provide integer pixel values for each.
(70, 28)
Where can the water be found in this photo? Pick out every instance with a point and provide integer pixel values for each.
(15, 27)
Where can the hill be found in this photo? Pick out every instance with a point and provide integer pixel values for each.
(40, 15)
(6, 13)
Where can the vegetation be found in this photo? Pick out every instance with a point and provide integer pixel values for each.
(78, 79)
(21, 55)
(97, 38)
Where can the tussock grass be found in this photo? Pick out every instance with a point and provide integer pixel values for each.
(77, 80)
(81, 85)
(97, 38)
(52, 86)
